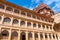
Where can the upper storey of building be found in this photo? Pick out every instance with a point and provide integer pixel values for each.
(44, 10)
(17, 9)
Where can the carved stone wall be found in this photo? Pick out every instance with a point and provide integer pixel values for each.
(44, 10)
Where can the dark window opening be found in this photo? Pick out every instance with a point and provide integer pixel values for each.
(23, 37)
(1, 6)
(0, 17)
(41, 35)
(28, 24)
(43, 26)
(46, 36)
(7, 20)
(36, 35)
(9, 9)
(28, 14)
(47, 27)
(39, 25)
(15, 21)
(16, 11)
(33, 16)
(53, 36)
(49, 36)
(34, 25)
(4, 34)
(22, 23)
(23, 13)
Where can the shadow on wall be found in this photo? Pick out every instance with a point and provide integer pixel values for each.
(57, 27)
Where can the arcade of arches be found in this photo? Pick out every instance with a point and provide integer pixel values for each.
(26, 35)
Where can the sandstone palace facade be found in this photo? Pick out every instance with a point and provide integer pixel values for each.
(18, 23)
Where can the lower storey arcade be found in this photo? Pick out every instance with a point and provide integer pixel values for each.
(25, 34)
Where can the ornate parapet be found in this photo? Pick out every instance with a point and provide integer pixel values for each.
(44, 10)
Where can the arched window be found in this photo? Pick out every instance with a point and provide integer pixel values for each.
(22, 23)
(23, 13)
(30, 34)
(28, 14)
(14, 33)
(7, 20)
(36, 35)
(16, 10)
(1, 6)
(15, 21)
(28, 24)
(50, 27)
(53, 36)
(39, 25)
(47, 27)
(0, 17)
(41, 35)
(9, 8)
(34, 25)
(34, 16)
(5, 33)
(43, 26)
(46, 36)
(49, 35)
(23, 36)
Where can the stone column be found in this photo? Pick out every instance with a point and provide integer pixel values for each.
(43, 36)
(19, 22)
(26, 35)
(52, 27)
(10, 34)
(33, 35)
(31, 24)
(25, 24)
(48, 36)
(19, 35)
(51, 36)
(39, 36)
(41, 27)
(37, 25)
(49, 28)
(2, 19)
(11, 21)
(45, 27)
